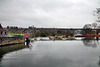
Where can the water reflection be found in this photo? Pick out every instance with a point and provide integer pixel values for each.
(99, 61)
(52, 54)
(11, 48)
(91, 42)
(28, 45)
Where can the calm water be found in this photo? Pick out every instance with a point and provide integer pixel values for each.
(52, 54)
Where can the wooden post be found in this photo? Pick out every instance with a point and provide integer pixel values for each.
(97, 32)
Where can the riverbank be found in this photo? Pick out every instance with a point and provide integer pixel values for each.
(11, 40)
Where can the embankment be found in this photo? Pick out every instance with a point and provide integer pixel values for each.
(11, 40)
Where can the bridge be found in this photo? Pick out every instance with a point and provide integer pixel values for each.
(70, 29)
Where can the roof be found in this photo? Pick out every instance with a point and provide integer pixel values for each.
(2, 29)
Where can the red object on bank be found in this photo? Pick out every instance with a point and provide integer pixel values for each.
(26, 35)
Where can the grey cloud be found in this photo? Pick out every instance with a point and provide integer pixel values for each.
(47, 13)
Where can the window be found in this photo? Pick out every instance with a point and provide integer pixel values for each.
(1, 32)
(5, 33)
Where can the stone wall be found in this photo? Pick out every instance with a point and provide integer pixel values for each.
(11, 40)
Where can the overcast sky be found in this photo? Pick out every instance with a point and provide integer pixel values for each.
(47, 13)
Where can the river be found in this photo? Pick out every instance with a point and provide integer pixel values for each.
(70, 53)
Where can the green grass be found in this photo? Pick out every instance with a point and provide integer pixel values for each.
(15, 34)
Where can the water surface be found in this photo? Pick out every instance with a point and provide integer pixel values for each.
(54, 54)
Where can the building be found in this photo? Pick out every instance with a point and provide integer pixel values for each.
(3, 31)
